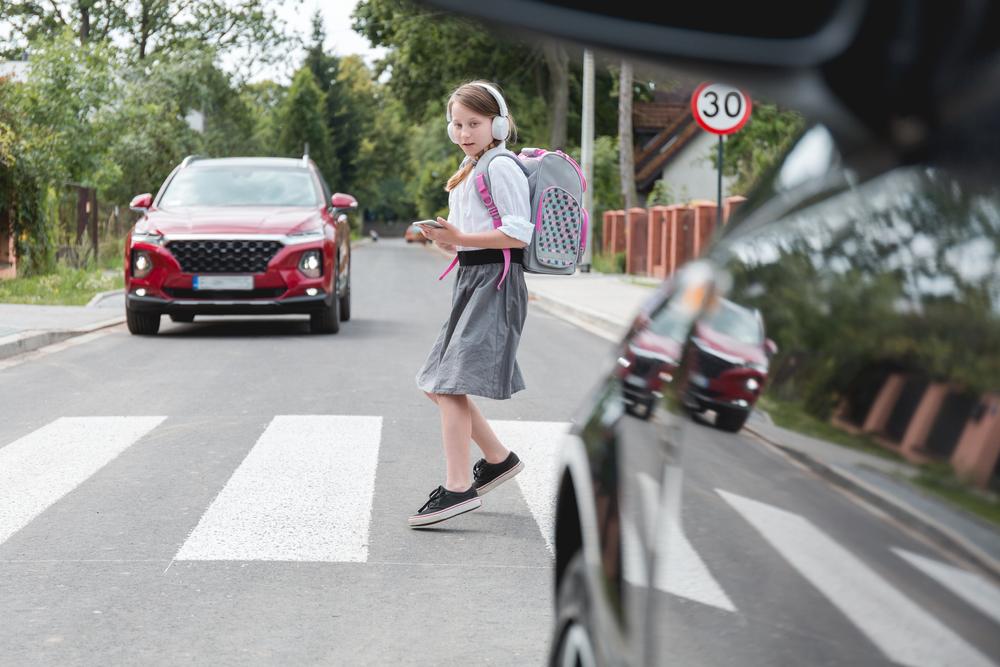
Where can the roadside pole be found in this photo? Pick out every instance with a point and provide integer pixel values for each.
(587, 153)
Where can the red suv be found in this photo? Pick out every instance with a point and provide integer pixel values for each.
(238, 236)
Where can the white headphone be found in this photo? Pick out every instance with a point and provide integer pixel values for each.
(501, 124)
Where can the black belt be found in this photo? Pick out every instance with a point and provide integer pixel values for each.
(489, 256)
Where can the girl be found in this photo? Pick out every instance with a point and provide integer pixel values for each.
(475, 350)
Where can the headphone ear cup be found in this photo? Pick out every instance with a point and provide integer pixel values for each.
(452, 135)
(501, 128)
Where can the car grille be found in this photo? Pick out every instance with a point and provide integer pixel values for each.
(712, 366)
(225, 294)
(224, 256)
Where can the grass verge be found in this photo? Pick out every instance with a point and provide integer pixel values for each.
(936, 478)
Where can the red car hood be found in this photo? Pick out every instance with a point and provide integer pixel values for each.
(661, 346)
(232, 220)
(728, 345)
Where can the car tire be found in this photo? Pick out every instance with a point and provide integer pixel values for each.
(574, 642)
(731, 420)
(182, 318)
(345, 301)
(142, 324)
(327, 321)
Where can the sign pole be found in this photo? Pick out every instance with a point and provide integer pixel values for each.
(718, 209)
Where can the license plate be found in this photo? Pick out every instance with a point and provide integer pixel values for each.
(223, 282)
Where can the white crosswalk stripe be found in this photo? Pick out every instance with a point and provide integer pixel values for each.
(972, 588)
(537, 444)
(43, 466)
(303, 493)
(904, 632)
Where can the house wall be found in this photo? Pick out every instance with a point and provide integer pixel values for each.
(691, 175)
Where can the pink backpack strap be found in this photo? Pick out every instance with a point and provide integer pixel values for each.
(484, 194)
(450, 267)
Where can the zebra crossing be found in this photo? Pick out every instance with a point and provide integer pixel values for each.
(305, 490)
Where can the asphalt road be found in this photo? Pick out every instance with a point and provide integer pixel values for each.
(235, 491)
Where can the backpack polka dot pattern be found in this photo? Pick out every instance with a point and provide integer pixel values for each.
(558, 230)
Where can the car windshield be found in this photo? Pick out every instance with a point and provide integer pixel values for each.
(242, 186)
(735, 322)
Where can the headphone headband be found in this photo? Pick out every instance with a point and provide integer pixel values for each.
(492, 91)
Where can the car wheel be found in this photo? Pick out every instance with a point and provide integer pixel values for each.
(328, 319)
(142, 324)
(731, 420)
(345, 301)
(574, 643)
(182, 318)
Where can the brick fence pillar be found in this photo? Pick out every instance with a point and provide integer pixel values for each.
(922, 420)
(704, 225)
(618, 241)
(636, 241)
(878, 414)
(672, 238)
(655, 264)
(730, 205)
(975, 457)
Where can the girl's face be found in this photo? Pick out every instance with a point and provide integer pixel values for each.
(473, 131)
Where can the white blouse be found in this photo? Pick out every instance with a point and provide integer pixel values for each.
(509, 188)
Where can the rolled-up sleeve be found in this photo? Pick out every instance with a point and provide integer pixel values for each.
(509, 187)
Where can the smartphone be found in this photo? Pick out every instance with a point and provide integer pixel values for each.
(429, 223)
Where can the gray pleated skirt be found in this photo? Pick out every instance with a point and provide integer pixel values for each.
(475, 351)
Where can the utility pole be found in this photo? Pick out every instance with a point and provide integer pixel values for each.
(587, 152)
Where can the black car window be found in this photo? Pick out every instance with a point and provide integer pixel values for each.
(242, 186)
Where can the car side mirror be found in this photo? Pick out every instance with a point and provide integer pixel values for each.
(141, 203)
(339, 201)
(771, 347)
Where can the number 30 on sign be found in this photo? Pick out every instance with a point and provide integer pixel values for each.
(720, 109)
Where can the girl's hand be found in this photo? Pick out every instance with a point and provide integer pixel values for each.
(449, 234)
(447, 247)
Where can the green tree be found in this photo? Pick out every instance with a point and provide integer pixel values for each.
(750, 152)
(302, 121)
(146, 27)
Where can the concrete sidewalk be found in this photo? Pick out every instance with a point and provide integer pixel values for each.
(25, 327)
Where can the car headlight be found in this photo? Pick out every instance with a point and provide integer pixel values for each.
(311, 263)
(752, 384)
(142, 263)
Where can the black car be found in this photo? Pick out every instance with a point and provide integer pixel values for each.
(872, 251)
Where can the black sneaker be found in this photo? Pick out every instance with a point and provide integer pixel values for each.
(487, 476)
(444, 504)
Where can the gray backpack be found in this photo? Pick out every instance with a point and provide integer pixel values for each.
(556, 186)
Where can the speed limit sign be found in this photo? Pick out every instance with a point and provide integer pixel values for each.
(720, 109)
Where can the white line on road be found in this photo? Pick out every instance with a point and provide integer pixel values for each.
(303, 493)
(679, 569)
(906, 633)
(43, 466)
(537, 445)
(972, 588)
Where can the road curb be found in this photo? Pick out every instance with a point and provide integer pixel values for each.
(908, 516)
(27, 341)
(100, 296)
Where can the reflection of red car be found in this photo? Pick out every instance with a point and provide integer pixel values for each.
(728, 360)
(649, 359)
(413, 233)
